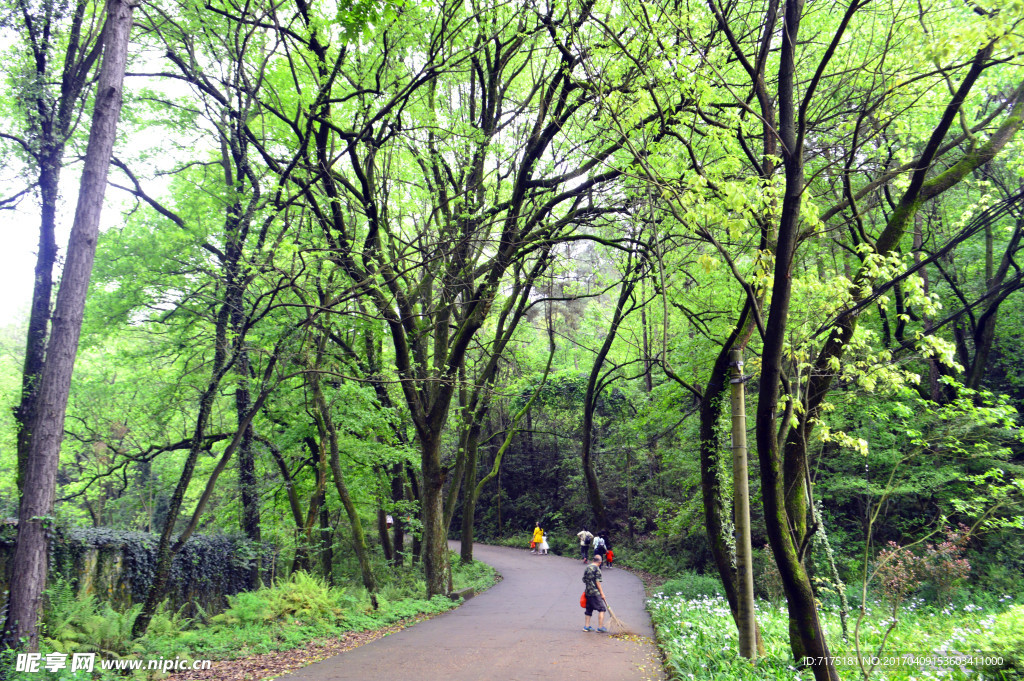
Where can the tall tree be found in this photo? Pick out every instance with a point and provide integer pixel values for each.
(598, 379)
(52, 89)
(494, 185)
(28, 576)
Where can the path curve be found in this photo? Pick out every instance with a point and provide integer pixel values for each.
(528, 626)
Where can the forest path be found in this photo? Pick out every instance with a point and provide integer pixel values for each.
(527, 626)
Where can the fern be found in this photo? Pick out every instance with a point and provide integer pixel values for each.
(303, 598)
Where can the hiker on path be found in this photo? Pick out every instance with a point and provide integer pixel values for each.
(599, 546)
(595, 596)
(538, 537)
(585, 539)
(544, 544)
(609, 555)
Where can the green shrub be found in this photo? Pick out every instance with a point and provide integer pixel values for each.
(79, 624)
(690, 586)
(102, 630)
(283, 616)
(563, 545)
(515, 541)
(1006, 640)
(301, 597)
(477, 575)
(64, 610)
(698, 638)
(651, 558)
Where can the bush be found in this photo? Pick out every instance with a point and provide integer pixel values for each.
(767, 579)
(943, 565)
(901, 572)
(898, 573)
(1006, 640)
(668, 556)
(562, 545)
(515, 541)
(559, 543)
(999, 563)
(301, 597)
(691, 586)
(650, 557)
(477, 575)
(79, 624)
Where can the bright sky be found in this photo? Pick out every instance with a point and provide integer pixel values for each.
(20, 239)
(17, 260)
(19, 228)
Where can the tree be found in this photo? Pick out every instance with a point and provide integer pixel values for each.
(598, 379)
(52, 89)
(28, 576)
(432, 275)
(782, 449)
(782, 121)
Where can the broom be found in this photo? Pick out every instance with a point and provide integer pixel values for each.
(617, 625)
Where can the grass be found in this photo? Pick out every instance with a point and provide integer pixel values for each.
(287, 615)
(698, 637)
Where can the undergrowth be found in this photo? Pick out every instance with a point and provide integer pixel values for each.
(286, 615)
(698, 637)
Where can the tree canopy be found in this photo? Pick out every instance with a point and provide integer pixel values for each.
(471, 265)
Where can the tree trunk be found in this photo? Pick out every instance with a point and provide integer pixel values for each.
(239, 216)
(385, 538)
(590, 476)
(985, 333)
(50, 122)
(326, 545)
(42, 291)
(397, 495)
(165, 550)
(645, 349)
(746, 621)
(469, 500)
(29, 564)
(415, 496)
(594, 385)
(326, 426)
(305, 546)
(247, 462)
(785, 509)
(435, 539)
(710, 410)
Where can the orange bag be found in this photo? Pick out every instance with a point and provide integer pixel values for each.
(533, 544)
(583, 600)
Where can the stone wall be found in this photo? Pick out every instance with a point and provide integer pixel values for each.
(117, 567)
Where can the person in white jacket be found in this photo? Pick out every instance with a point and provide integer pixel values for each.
(585, 539)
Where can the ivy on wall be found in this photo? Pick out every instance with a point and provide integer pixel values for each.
(118, 566)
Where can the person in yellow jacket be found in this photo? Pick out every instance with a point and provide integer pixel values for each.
(538, 537)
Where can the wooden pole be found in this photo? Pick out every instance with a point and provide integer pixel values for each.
(741, 507)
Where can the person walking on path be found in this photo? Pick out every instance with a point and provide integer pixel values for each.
(585, 539)
(595, 595)
(538, 537)
(544, 544)
(599, 546)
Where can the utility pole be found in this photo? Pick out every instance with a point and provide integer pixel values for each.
(741, 509)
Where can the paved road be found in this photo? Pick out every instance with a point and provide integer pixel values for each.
(528, 626)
